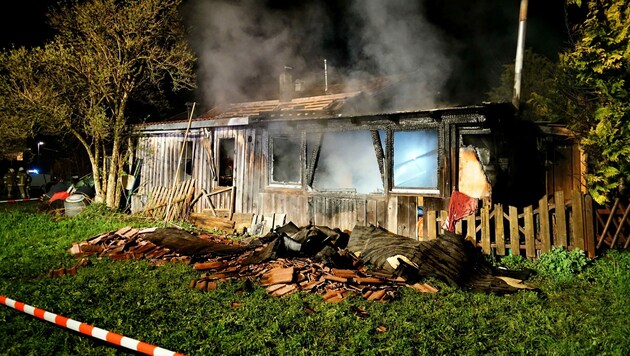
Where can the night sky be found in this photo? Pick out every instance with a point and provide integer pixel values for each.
(479, 35)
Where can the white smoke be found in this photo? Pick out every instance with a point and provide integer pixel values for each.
(242, 45)
(342, 168)
(394, 38)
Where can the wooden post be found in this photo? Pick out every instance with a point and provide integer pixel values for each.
(232, 202)
(471, 233)
(578, 220)
(179, 161)
(515, 243)
(485, 230)
(589, 226)
(499, 230)
(458, 227)
(560, 238)
(543, 209)
(430, 223)
(530, 246)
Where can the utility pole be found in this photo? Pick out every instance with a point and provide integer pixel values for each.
(520, 46)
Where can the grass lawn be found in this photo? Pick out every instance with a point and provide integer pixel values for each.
(588, 313)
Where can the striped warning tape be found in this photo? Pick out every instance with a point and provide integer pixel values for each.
(19, 200)
(87, 329)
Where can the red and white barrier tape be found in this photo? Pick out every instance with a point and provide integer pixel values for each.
(19, 200)
(87, 329)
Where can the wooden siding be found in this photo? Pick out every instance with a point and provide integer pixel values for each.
(160, 154)
(344, 212)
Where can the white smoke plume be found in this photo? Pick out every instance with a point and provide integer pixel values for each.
(394, 38)
(243, 45)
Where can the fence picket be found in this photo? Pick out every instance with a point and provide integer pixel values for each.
(471, 234)
(538, 229)
(578, 220)
(499, 229)
(589, 228)
(431, 230)
(545, 238)
(560, 226)
(515, 243)
(485, 230)
(530, 246)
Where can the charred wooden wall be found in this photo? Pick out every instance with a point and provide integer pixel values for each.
(250, 173)
(160, 155)
(393, 209)
(397, 213)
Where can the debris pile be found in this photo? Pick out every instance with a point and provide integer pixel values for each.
(124, 244)
(369, 261)
(284, 276)
(279, 262)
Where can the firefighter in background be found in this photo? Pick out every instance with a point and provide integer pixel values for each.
(9, 180)
(23, 182)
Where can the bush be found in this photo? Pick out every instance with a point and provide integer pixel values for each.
(516, 262)
(560, 263)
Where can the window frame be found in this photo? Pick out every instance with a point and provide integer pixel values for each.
(390, 161)
(322, 133)
(388, 148)
(301, 154)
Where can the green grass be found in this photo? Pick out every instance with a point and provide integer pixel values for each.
(586, 314)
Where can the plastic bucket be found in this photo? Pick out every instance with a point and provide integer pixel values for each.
(74, 204)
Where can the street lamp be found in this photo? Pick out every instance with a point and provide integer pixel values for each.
(38, 144)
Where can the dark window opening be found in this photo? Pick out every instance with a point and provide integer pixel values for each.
(186, 166)
(286, 160)
(226, 162)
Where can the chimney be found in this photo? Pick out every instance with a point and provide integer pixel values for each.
(286, 85)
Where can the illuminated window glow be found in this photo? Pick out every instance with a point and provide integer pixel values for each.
(416, 159)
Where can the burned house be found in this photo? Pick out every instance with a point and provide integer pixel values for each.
(323, 160)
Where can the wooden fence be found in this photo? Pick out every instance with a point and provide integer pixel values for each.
(558, 220)
(613, 225)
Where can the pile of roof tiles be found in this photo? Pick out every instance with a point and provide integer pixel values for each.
(280, 273)
(284, 276)
(125, 244)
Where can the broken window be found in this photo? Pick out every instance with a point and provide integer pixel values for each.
(416, 159)
(347, 162)
(226, 162)
(286, 160)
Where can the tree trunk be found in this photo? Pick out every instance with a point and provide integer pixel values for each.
(112, 186)
(94, 157)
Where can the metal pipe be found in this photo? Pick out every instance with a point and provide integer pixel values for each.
(520, 45)
(325, 76)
